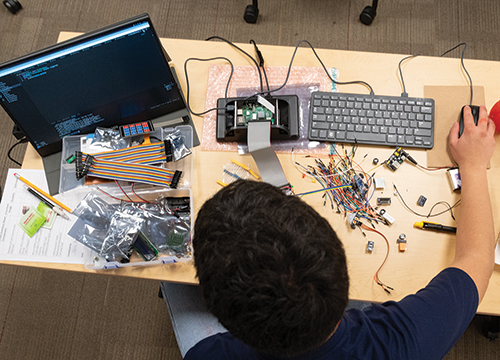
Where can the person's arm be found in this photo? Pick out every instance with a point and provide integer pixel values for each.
(475, 240)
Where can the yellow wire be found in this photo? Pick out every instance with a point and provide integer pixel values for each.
(246, 168)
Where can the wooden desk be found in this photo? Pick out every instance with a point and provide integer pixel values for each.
(428, 252)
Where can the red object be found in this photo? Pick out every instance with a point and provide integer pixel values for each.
(495, 115)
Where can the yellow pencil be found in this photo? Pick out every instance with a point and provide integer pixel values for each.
(43, 192)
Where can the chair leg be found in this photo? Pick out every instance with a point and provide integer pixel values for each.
(491, 327)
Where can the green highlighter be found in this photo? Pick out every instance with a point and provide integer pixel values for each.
(32, 221)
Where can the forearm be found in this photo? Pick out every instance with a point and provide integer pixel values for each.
(475, 240)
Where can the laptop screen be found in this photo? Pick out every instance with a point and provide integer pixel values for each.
(112, 76)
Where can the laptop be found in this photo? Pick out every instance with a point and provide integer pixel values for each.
(113, 76)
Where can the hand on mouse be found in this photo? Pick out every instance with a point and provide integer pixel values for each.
(475, 147)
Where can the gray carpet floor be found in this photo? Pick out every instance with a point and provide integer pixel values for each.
(60, 315)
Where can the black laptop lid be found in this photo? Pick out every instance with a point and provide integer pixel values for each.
(112, 76)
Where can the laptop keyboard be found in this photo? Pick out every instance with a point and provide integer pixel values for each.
(371, 119)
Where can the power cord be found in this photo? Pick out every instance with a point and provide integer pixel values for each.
(22, 141)
(261, 63)
(187, 83)
(244, 52)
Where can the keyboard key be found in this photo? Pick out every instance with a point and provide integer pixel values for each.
(426, 110)
(424, 125)
(422, 132)
(367, 137)
(319, 117)
(319, 125)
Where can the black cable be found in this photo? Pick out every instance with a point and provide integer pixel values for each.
(324, 68)
(450, 208)
(463, 66)
(404, 93)
(187, 83)
(23, 140)
(244, 52)
(261, 63)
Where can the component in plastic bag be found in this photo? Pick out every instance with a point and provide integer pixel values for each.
(94, 211)
(178, 147)
(109, 138)
(109, 230)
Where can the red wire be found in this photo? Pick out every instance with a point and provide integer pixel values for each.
(133, 192)
(434, 169)
(376, 277)
(128, 197)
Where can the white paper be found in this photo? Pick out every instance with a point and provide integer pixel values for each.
(53, 245)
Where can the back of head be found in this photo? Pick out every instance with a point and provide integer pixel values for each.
(271, 269)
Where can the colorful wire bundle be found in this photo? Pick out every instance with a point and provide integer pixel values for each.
(133, 172)
(140, 154)
(344, 182)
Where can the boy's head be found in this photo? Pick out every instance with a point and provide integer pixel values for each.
(271, 269)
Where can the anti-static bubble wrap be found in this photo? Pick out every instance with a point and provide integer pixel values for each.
(301, 82)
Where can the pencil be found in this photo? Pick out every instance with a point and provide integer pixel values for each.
(34, 187)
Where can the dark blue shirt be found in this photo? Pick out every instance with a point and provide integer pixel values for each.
(421, 326)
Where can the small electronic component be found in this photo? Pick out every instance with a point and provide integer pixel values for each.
(379, 183)
(384, 201)
(370, 246)
(397, 158)
(375, 161)
(140, 128)
(351, 219)
(421, 200)
(144, 247)
(401, 242)
(454, 178)
(71, 159)
(360, 185)
(386, 216)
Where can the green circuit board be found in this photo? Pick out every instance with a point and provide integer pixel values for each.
(256, 112)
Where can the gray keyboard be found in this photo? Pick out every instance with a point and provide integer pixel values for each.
(371, 119)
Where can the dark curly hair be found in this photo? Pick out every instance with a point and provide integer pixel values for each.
(271, 269)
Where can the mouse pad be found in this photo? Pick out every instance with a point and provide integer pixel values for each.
(448, 104)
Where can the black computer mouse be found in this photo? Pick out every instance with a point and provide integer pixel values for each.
(475, 114)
